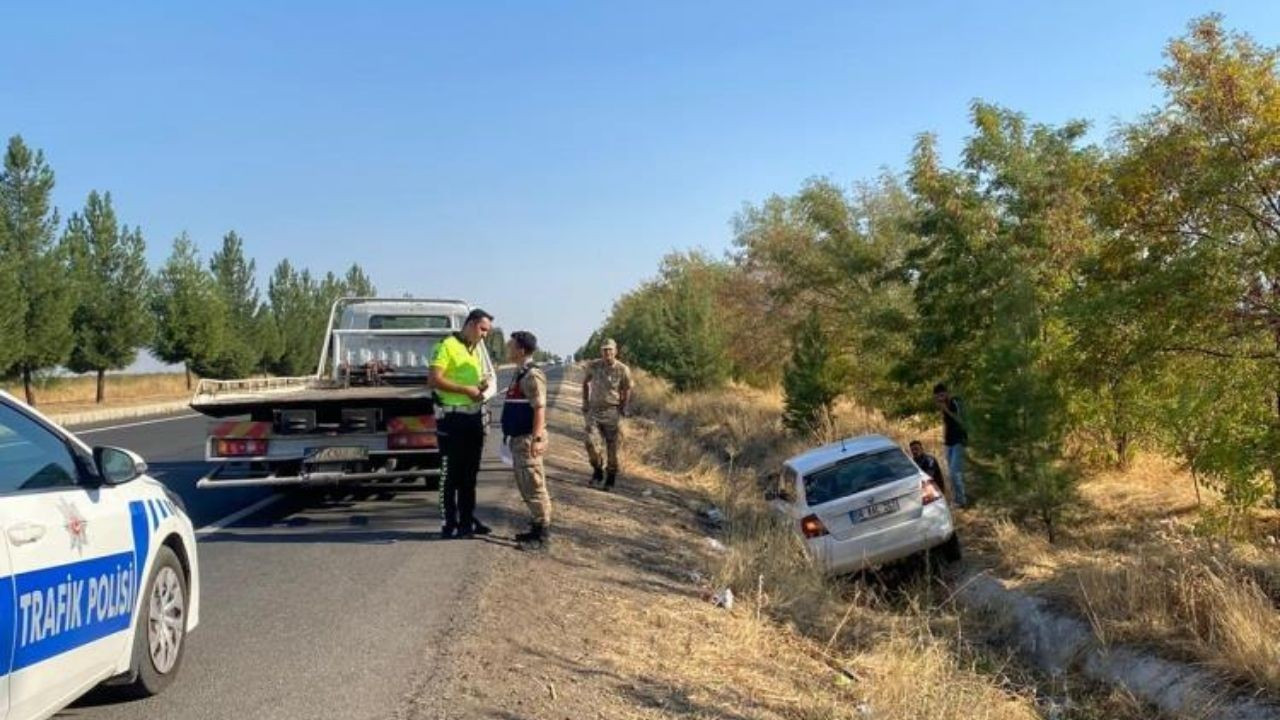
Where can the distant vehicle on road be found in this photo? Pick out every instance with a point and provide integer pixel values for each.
(366, 417)
(99, 578)
(862, 502)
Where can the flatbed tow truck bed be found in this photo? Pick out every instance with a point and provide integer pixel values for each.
(230, 403)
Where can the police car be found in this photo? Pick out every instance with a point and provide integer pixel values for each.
(98, 571)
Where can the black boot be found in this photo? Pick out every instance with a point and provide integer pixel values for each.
(597, 476)
(480, 528)
(533, 533)
(539, 541)
(610, 479)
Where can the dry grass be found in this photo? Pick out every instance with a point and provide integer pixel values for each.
(65, 394)
(1134, 558)
(913, 655)
(1135, 562)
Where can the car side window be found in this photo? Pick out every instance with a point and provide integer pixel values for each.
(31, 456)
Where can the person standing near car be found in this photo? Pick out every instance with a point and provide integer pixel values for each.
(928, 463)
(460, 380)
(606, 390)
(524, 428)
(955, 436)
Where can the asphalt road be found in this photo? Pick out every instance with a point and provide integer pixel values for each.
(315, 608)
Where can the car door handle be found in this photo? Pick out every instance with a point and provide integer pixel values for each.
(25, 533)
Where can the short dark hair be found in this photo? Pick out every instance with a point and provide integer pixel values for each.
(940, 387)
(526, 340)
(913, 443)
(477, 315)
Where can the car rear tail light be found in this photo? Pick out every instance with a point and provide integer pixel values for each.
(409, 441)
(812, 527)
(242, 447)
(929, 492)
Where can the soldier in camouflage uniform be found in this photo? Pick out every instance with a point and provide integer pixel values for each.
(605, 392)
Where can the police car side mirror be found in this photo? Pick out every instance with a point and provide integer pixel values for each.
(117, 466)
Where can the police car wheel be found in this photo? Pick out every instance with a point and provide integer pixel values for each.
(160, 629)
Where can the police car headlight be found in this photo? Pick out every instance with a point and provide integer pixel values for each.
(176, 500)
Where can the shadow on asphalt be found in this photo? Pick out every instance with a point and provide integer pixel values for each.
(358, 518)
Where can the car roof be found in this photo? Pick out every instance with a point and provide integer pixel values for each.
(820, 457)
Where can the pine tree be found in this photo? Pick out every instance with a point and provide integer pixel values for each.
(190, 318)
(12, 331)
(41, 291)
(299, 313)
(811, 382)
(233, 275)
(357, 284)
(108, 264)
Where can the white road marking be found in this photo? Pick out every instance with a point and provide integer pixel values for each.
(238, 515)
(188, 416)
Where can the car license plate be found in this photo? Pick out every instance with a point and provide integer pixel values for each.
(337, 454)
(874, 510)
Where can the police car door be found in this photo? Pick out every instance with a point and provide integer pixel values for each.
(6, 624)
(72, 558)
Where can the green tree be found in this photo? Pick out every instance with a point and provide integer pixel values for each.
(190, 319)
(670, 326)
(243, 347)
(812, 381)
(42, 294)
(358, 284)
(1002, 238)
(297, 308)
(844, 253)
(108, 264)
(1198, 209)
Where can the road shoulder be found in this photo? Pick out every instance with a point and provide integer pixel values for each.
(614, 621)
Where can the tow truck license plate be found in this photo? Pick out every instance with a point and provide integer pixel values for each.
(874, 511)
(337, 454)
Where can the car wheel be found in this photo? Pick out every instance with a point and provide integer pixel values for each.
(160, 631)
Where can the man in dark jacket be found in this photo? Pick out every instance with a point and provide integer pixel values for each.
(928, 463)
(955, 435)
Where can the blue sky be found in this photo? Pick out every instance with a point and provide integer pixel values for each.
(537, 158)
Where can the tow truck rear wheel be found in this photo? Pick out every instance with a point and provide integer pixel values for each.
(160, 630)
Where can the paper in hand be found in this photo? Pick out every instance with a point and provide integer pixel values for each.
(504, 453)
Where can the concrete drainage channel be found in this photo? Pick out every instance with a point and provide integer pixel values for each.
(1058, 643)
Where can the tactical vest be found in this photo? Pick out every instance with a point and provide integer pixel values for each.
(517, 413)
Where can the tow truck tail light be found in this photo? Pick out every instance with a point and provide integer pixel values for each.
(412, 432)
(929, 492)
(239, 438)
(812, 527)
(239, 447)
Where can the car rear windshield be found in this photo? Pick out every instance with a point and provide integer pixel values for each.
(857, 474)
(409, 322)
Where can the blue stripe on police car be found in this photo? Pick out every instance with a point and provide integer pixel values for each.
(53, 610)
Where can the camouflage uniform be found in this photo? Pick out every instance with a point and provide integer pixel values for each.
(604, 411)
(531, 477)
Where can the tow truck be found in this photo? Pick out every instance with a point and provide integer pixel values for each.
(366, 417)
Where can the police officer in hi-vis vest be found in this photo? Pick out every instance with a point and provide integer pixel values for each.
(524, 427)
(460, 381)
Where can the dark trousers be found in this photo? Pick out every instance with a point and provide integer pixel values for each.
(461, 443)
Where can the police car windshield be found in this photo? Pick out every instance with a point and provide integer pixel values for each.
(857, 474)
(409, 322)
